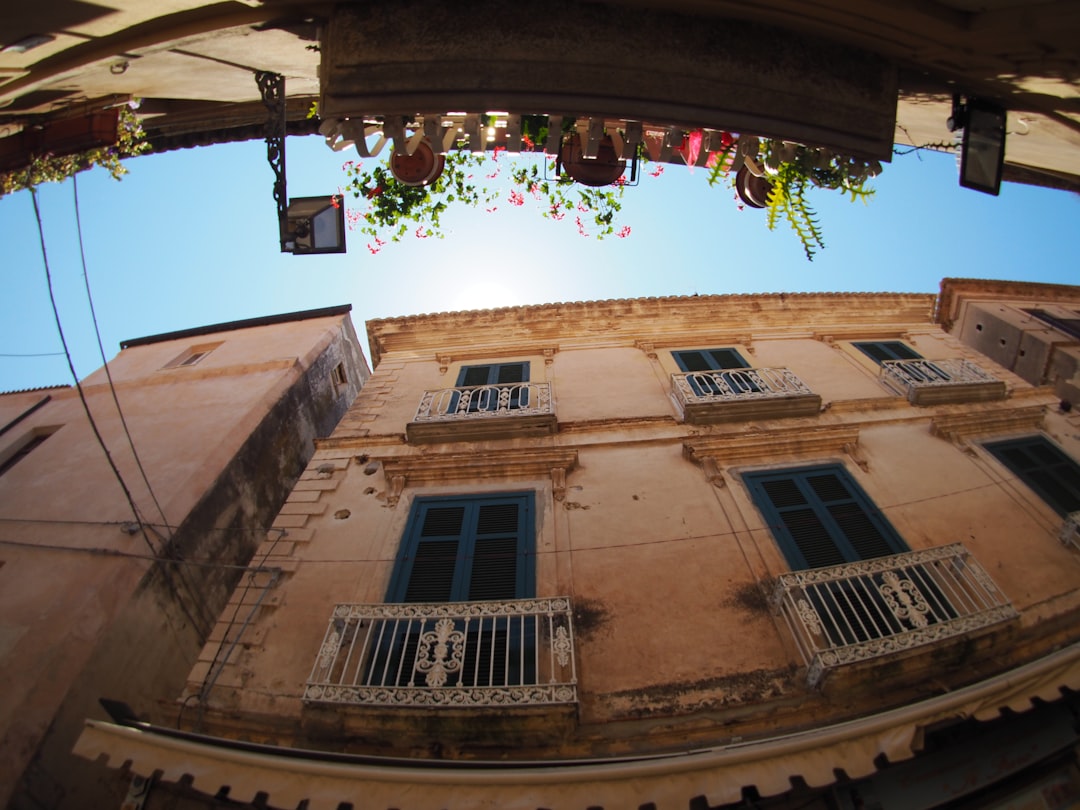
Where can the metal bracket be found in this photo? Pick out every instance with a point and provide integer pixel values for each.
(272, 92)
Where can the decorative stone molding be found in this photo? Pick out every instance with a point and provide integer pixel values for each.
(713, 474)
(456, 467)
(961, 428)
(769, 446)
(855, 454)
(648, 348)
(549, 356)
(444, 361)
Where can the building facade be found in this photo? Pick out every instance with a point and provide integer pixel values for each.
(765, 550)
(122, 538)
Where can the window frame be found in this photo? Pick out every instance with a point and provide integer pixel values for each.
(887, 348)
(494, 371)
(999, 448)
(26, 444)
(412, 536)
(707, 385)
(791, 546)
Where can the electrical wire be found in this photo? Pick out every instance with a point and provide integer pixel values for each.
(38, 354)
(90, 417)
(101, 349)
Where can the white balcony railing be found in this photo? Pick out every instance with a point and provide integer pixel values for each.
(709, 397)
(864, 610)
(485, 402)
(508, 653)
(924, 378)
(739, 384)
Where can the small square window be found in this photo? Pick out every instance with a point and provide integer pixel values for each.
(16, 452)
(338, 375)
(192, 355)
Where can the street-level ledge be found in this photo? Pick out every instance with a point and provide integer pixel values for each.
(934, 382)
(710, 397)
(484, 412)
(886, 608)
(451, 654)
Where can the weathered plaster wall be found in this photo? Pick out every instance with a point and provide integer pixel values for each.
(222, 445)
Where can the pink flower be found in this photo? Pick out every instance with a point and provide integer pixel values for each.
(580, 226)
(623, 232)
(348, 164)
(420, 234)
(492, 210)
(373, 250)
(534, 189)
(379, 242)
(516, 197)
(659, 171)
(583, 208)
(493, 175)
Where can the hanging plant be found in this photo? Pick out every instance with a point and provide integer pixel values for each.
(48, 168)
(393, 209)
(790, 170)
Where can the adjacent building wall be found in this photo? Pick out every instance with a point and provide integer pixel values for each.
(93, 606)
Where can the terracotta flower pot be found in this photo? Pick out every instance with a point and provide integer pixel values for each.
(421, 168)
(752, 190)
(603, 170)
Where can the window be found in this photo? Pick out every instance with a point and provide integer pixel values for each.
(699, 365)
(465, 549)
(1044, 467)
(24, 447)
(1070, 326)
(486, 398)
(881, 350)
(338, 375)
(821, 517)
(192, 355)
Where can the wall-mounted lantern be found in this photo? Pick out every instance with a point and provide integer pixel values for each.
(306, 225)
(314, 225)
(982, 150)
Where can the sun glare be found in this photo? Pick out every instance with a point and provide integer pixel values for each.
(486, 295)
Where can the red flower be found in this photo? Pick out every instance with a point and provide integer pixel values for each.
(373, 250)
(420, 234)
(527, 142)
(335, 201)
(726, 140)
(659, 171)
(375, 192)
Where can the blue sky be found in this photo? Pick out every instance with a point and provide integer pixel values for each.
(188, 238)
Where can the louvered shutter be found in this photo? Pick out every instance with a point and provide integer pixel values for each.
(882, 350)
(820, 517)
(466, 549)
(1053, 475)
(709, 360)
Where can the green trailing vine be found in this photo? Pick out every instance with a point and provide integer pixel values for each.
(47, 168)
(791, 170)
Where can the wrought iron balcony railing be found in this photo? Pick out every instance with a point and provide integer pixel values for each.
(718, 396)
(509, 653)
(925, 382)
(519, 409)
(860, 611)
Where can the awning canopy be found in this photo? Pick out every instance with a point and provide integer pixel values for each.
(289, 776)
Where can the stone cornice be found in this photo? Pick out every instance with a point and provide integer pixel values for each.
(712, 452)
(629, 320)
(454, 467)
(955, 291)
(962, 428)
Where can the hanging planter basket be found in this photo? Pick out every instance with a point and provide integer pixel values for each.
(603, 170)
(752, 190)
(422, 168)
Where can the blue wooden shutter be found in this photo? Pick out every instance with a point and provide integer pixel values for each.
(467, 549)
(881, 350)
(1037, 462)
(709, 360)
(493, 374)
(821, 517)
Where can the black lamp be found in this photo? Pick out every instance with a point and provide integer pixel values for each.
(982, 151)
(314, 225)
